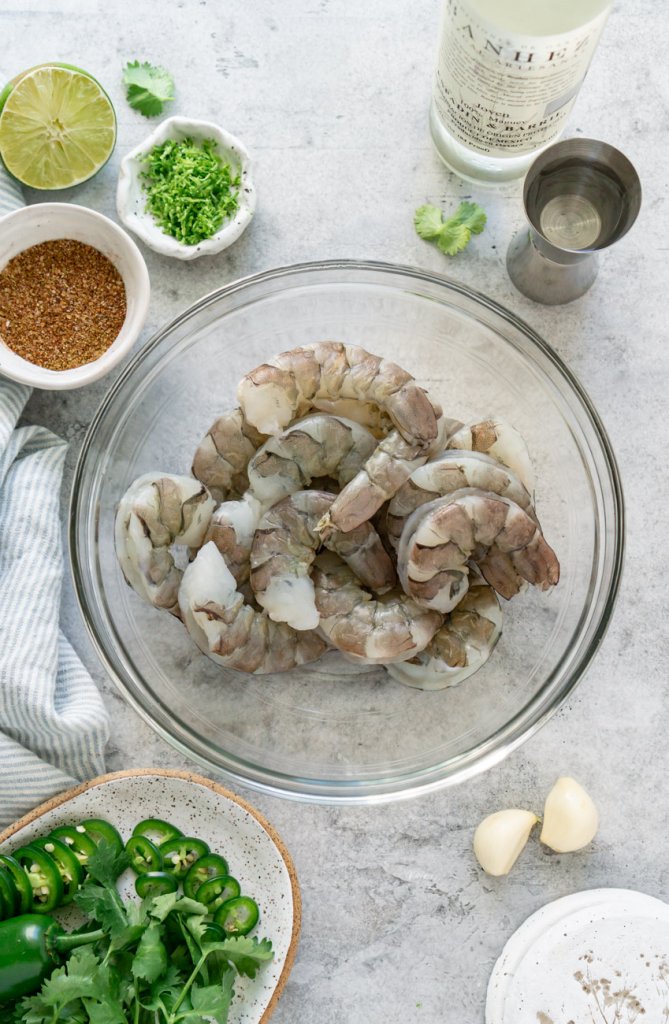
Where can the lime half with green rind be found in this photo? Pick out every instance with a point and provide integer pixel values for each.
(57, 127)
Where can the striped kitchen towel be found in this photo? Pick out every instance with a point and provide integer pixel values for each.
(53, 725)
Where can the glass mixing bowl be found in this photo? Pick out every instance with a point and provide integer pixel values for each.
(331, 731)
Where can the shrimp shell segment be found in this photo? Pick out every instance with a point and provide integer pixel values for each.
(461, 646)
(319, 445)
(440, 538)
(285, 546)
(376, 631)
(452, 471)
(230, 631)
(290, 384)
(156, 512)
(498, 438)
(223, 454)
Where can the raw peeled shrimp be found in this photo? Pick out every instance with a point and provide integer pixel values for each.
(223, 454)
(318, 445)
(498, 438)
(448, 472)
(285, 546)
(377, 631)
(276, 392)
(229, 630)
(439, 538)
(461, 646)
(156, 512)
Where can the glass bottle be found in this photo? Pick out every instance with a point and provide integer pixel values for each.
(508, 72)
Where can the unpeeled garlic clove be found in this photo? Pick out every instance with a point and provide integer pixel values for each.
(500, 838)
(570, 817)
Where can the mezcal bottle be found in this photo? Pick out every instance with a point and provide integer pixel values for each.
(508, 72)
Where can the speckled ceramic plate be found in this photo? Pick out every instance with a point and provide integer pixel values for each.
(200, 807)
(596, 956)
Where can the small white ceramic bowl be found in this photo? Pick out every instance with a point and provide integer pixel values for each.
(131, 199)
(44, 222)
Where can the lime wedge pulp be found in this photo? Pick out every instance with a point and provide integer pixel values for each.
(57, 128)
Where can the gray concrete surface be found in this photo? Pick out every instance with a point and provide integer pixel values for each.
(331, 97)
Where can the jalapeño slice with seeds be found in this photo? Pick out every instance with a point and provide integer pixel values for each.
(44, 878)
(70, 870)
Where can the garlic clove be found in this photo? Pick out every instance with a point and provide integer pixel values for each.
(500, 839)
(570, 817)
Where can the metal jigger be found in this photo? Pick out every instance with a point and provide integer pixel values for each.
(580, 196)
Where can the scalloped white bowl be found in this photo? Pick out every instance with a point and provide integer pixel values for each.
(131, 200)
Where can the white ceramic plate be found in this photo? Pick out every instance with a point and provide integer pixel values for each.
(199, 807)
(596, 956)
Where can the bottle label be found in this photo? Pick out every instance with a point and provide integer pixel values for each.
(504, 94)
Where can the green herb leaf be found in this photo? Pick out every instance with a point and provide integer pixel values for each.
(79, 978)
(428, 221)
(244, 952)
(453, 238)
(104, 906)
(166, 989)
(214, 1000)
(151, 956)
(107, 1011)
(471, 215)
(161, 906)
(105, 865)
(149, 88)
(451, 235)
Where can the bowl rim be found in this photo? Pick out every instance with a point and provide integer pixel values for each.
(153, 237)
(137, 279)
(517, 729)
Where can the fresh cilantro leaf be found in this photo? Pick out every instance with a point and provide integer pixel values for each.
(428, 221)
(124, 938)
(104, 905)
(149, 88)
(471, 215)
(453, 238)
(160, 906)
(32, 1011)
(197, 926)
(244, 952)
(453, 234)
(214, 1000)
(166, 989)
(79, 978)
(151, 956)
(192, 944)
(105, 865)
(107, 1011)
(137, 921)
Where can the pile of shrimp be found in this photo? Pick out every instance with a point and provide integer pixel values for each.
(337, 507)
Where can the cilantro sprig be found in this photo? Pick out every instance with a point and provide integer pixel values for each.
(148, 88)
(451, 235)
(154, 963)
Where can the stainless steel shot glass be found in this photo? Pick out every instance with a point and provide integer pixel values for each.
(580, 196)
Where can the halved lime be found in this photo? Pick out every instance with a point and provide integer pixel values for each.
(57, 128)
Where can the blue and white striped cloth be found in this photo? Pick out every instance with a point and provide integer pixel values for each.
(53, 725)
